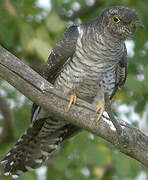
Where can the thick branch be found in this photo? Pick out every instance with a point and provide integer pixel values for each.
(132, 142)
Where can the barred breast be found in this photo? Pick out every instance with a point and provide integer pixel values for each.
(92, 68)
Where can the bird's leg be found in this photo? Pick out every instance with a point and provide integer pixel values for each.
(99, 110)
(73, 98)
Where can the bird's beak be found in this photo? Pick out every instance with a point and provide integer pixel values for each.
(139, 24)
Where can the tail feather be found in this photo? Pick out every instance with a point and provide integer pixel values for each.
(37, 145)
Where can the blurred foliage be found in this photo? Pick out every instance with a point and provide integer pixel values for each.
(30, 31)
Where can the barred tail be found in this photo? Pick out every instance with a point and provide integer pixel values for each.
(36, 145)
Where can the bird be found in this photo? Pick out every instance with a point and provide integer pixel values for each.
(89, 61)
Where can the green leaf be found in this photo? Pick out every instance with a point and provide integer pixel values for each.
(26, 34)
(54, 23)
(41, 47)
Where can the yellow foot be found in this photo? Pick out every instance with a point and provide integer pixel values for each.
(73, 99)
(99, 110)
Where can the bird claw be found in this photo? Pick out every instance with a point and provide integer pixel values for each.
(73, 99)
(99, 110)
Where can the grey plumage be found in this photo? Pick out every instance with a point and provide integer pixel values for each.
(90, 60)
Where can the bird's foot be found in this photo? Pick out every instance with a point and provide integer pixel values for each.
(73, 99)
(99, 110)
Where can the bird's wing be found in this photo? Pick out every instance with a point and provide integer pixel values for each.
(61, 53)
(59, 56)
(45, 133)
(121, 73)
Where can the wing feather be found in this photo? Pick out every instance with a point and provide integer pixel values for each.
(60, 54)
(45, 133)
(63, 50)
(121, 73)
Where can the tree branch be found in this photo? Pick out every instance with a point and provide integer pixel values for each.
(132, 141)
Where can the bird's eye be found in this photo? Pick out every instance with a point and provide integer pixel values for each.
(116, 19)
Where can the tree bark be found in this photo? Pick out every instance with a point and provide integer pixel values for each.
(131, 142)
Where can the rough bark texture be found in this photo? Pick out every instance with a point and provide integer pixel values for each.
(131, 142)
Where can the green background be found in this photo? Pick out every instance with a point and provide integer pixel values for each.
(30, 32)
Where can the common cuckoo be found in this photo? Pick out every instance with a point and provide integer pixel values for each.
(88, 62)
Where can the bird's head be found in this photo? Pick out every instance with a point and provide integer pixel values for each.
(120, 22)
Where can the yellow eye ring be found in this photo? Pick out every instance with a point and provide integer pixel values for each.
(116, 19)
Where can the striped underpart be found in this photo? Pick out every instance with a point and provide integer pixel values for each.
(92, 70)
(85, 61)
